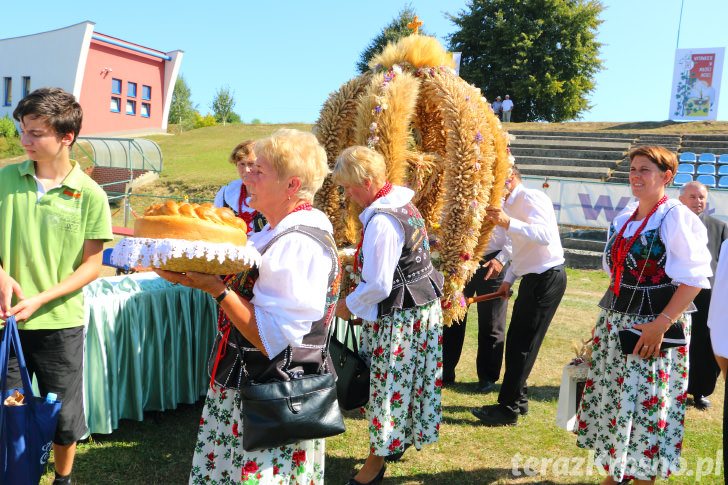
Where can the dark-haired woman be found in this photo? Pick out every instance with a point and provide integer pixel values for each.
(633, 406)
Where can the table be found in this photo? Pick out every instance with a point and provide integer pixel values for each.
(147, 345)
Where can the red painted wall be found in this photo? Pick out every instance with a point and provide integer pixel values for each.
(128, 66)
(110, 175)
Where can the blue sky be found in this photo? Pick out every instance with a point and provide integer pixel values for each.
(282, 59)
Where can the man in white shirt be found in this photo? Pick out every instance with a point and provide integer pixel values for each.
(507, 108)
(491, 318)
(538, 259)
(718, 324)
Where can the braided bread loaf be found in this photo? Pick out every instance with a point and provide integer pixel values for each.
(191, 222)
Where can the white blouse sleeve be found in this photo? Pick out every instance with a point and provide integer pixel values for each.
(382, 248)
(686, 240)
(290, 292)
(220, 197)
(717, 320)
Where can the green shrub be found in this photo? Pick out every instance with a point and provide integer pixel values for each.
(7, 127)
(256, 121)
(201, 122)
(10, 147)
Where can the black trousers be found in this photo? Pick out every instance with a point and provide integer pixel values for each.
(704, 370)
(539, 296)
(491, 330)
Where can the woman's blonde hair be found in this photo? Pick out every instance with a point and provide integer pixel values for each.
(296, 153)
(242, 151)
(357, 164)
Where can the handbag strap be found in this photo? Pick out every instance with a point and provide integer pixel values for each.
(11, 337)
(354, 340)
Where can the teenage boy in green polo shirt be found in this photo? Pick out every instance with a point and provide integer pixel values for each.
(53, 223)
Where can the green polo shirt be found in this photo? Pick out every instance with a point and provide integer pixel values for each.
(41, 240)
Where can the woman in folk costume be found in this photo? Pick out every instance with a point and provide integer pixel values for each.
(234, 195)
(633, 406)
(278, 314)
(398, 300)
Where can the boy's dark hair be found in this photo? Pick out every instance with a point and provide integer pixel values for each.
(59, 108)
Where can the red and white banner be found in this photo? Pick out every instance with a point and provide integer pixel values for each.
(696, 84)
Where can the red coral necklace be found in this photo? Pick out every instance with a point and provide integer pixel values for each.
(621, 247)
(386, 189)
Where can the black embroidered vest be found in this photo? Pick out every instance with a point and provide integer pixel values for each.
(238, 357)
(645, 288)
(416, 282)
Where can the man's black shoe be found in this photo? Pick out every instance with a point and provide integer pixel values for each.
(523, 411)
(496, 416)
(484, 387)
(701, 402)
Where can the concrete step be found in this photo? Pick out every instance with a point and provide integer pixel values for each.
(577, 134)
(573, 138)
(706, 137)
(704, 146)
(580, 259)
(559, 152)
(620, 177)
(570, 144)
(673, 148)
(583, 244)
(566, 172)
(523, 160)
(659, 138)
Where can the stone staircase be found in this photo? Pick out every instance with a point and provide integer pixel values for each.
(597, 155)
(583, 249)
(621, 171)
(716, 144)
(580, 155)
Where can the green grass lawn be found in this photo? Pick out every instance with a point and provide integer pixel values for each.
(159, 449)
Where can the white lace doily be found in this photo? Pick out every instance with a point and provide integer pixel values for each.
(181, 255)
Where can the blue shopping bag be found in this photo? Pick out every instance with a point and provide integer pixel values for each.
(26, 432)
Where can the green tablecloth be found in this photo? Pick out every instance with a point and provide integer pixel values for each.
(147, 344)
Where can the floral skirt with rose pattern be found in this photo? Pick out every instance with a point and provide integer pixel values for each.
(404, 351)
(632, 410)
(220, 458)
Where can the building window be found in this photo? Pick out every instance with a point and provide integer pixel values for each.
(8, 93)
(115, 86)
(145, 110)
(130, 107)
(26, 85)
(115, 104)
(131, 90)
(146, 92)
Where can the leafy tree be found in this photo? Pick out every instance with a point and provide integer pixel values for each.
(181, 110)
(543, 53)
(223, 105)
(234, 118)
(391, 33)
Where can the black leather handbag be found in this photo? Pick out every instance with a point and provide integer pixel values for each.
(280, 413)
(674, 337)
(352, 372)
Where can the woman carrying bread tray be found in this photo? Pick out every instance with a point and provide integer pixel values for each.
(234, 195)
(398, 300)
(633, 407)
(282, 309)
